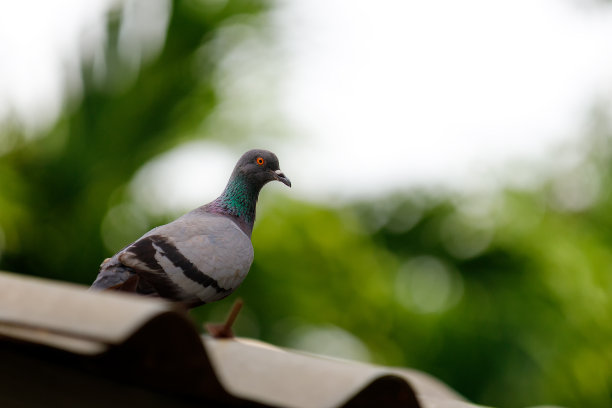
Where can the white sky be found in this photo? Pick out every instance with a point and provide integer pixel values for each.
(393, 93)
(39, 43)
(383, 95)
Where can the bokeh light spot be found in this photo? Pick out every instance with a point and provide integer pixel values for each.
(121, 225)
(426, 285)
(465, 237)
(330, 341)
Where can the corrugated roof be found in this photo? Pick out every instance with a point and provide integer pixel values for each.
(112, 348)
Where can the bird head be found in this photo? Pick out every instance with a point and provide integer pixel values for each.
(260, 167)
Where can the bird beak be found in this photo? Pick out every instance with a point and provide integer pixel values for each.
(278, 175)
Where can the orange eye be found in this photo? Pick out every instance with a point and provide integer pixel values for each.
(260, 161)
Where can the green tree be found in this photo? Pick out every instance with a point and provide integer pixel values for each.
(59, 185)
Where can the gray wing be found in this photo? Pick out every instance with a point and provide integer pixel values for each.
(198, 258)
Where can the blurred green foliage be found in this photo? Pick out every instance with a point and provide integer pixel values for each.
(57, 187)
(504, 297)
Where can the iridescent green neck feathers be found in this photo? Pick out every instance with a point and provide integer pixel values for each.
(239, 199)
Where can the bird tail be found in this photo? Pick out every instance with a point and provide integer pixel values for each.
(114, 275)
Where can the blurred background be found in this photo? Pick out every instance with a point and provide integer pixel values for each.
(451, 163)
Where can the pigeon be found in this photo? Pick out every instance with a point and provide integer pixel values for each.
(204, 255)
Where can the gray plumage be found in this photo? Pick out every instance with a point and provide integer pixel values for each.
(204, 255)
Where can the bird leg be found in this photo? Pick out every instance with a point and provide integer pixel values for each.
(224, 330)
